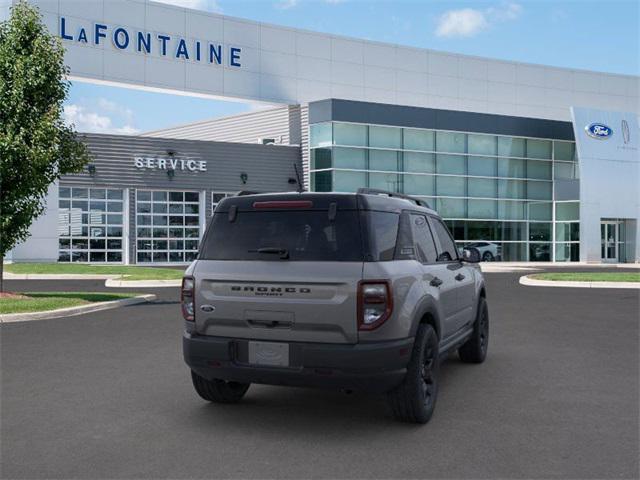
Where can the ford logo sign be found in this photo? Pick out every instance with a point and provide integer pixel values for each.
(599, 131)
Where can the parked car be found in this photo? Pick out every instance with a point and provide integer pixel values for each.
(489, 251)
(361, 291)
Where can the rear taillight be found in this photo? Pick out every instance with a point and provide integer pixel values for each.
(375, 303)
(187, 298)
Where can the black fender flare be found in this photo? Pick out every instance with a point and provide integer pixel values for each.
(427, 306)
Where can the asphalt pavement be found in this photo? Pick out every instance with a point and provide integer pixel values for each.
(107, 395)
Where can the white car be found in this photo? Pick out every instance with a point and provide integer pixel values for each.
(489, 252)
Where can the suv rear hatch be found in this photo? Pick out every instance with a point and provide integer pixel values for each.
(282, 267)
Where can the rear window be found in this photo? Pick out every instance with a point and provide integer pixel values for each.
(301, 235)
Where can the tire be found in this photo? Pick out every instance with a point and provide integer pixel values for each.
(474, 350)
(488, 257)
(219, 391)
(414, 400)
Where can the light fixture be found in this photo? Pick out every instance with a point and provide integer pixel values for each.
(171, 173)
(292, 181)
(171, 152)
(244, 177)
(91, 168)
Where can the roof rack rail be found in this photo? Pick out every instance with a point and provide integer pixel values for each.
(375, 191)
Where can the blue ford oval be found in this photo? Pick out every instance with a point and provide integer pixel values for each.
(599, 130)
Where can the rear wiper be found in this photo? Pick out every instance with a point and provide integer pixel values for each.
(283, 252)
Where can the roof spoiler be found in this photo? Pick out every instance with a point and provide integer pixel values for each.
(375, 191)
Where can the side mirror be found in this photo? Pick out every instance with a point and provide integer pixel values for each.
(471, 255)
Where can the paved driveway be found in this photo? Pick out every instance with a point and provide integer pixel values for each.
(106, 395)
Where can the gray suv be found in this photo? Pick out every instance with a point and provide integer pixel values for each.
(361, 291)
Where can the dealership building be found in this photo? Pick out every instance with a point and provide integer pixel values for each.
(529, 162)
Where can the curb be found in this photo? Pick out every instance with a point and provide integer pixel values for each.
(532, 282)
(71, 311)
(60, 276)
(116, 283)
(113, 281)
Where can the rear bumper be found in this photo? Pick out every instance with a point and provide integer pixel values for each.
(372, 367)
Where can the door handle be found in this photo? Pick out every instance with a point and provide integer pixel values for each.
(436, 282)
(459, 277)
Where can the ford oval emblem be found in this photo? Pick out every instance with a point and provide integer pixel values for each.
(599, 131)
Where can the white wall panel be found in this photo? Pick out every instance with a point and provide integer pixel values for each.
(443, 64)
(277, 39)
(313, 45)
(163, 18)
(411, 82)
(124, 12)
(504, 72)
(343, 50)
(380, 55)
(380, 77)
(411, 59)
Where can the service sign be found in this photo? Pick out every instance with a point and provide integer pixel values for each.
(171, 163)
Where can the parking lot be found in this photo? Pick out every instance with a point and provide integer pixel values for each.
(107, 395)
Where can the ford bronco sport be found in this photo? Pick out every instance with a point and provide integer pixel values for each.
(361, 291)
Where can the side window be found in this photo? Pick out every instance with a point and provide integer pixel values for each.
(383, 234)
(422, 239)
(447, 251)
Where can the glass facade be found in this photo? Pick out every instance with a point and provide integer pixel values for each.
(90, 225)
(493, 189)
(167, 226)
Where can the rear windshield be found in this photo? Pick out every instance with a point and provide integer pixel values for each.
(301, 235)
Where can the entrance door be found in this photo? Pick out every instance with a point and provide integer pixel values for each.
(609, 241)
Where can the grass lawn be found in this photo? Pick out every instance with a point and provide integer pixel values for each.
(589, 276)
(129, 272)
(43, 301)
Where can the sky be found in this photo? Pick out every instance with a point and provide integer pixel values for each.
(601, 35)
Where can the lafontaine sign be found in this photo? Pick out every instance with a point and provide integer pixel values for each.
(160, 44)
(172, 163)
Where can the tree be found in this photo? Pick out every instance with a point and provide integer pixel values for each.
(36, 147)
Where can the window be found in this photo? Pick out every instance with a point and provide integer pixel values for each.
(216, 197)
(348, 181)
(385, 181)
(447, 251)
(418, 184)
(483, 144)
(482, 187)
(483, 166)
(384, 160)
(419, 162)
(451, 207)
(385, 137)
(320, 135)
(539, 148)
(350, 158)
(383, 232)
(451, 164)
(419, 139)
(167, 226)
(320, 158)
(450, 186)
(304, 235)
(564, 150)
(482, 209)
(422, 239)
(566, 211)
(510, 147)
(90, 225)
(350, 134)
(451, 142)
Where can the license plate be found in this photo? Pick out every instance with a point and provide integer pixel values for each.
(269, 353)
